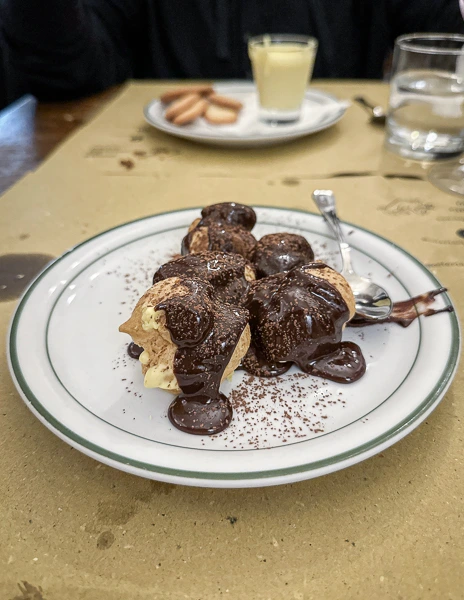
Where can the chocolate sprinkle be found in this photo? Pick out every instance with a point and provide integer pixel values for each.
(224, 227)
(219, 237)
(225, 272)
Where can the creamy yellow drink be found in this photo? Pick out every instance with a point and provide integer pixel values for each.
(282, 68)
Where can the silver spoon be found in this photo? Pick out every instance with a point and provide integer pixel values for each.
(372, 301)
(378, 116)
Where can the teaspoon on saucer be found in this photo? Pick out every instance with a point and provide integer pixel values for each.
(378, 116)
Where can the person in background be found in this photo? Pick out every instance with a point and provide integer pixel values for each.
(65, 49)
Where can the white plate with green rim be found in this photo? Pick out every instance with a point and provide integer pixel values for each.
(70, 366)
(320, 110)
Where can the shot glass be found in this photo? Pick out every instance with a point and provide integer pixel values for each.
(282, 68)
(426, 114)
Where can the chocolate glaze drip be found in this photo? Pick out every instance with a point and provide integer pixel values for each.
(230, 213)
(406, 311)
(220, 237)
(133, 350)
(201, 415)
(279, 252)
(255, 363)
(298, 317)
(225, 272)
(345, 364)
(206, 334)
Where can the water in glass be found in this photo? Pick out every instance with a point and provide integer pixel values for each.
(426, 118)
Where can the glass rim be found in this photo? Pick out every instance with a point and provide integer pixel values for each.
(285, 38)
(410, 41)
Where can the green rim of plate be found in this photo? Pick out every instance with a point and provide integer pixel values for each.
(81, 443)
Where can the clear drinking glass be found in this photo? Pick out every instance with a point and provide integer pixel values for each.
(426, 113)
(448, 176)
(282, 68)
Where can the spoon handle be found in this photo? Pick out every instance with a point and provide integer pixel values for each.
(325, 201)
(365, 103)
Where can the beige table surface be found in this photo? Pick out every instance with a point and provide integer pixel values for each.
(71, 528)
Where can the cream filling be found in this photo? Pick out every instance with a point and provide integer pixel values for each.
(151, 318)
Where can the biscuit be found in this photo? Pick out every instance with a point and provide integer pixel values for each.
(195, 111)
(177, 93)
(181, 105)
(219, 115)
(225, 102)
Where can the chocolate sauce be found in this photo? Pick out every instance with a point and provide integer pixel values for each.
(345, 364)
(279, 252)
(17, 271)
(225, 272)
(185, 244)
(230, 213)
(134, 351)
(201, 415)
(255, 363)
(206, 333)
(299, 317)
(406, 311)
(219, 237)
(223, 227)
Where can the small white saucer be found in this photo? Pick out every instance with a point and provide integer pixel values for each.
(320, 111)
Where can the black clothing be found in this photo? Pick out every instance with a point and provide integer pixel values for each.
(61, 49)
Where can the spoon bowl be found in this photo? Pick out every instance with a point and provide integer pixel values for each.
(372, 301)
(378, 116)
